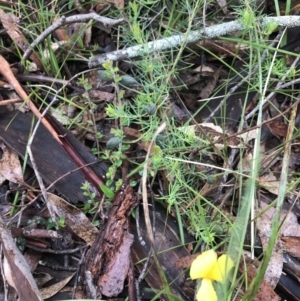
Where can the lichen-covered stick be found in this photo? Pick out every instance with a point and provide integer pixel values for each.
(191, 37)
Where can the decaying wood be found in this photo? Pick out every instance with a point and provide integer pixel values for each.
(109, 258)
(52, 160)
(48, 123)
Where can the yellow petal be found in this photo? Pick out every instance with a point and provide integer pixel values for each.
(221, 270)
(203, 264)
(206, 291)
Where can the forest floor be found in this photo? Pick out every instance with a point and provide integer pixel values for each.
(140, 139)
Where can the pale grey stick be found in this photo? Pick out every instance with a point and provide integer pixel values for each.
(107, 22)
(191, 37)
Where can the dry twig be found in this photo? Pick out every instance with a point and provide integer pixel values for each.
(69, 20)
(5, 70)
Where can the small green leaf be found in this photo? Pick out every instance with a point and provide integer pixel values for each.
(127, 80)
(107, 65)
(105, 75)
(107, 191)
(133, 183)
(113, 143)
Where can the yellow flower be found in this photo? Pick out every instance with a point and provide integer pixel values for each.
(206, 291)
(209, 267)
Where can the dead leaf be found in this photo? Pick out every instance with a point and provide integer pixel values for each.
(223, 5)
(224, 48)
(289, 227)
(205, 70)
(266, 291)
(32, 258)
(99, 96)
(42, 279)
(61, 33)
(209, 88)
(275, 265)
(269, 181)
(16, 268)
(292, 244)
(247, 136)
(289, 219)
(49, 291)
(74, 218)
(118, 3)
(186, 262)
(10, 166)
(269, 159)
(212, 133)
(278, 128)
(136, 134)
(9, 22)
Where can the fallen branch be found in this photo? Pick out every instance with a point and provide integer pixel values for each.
(107, 22)
(5, 70)
(191, 37)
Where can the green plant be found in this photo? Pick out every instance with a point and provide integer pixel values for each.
(48, 223)
(60, 223)
(91, 205)
(21, 243)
